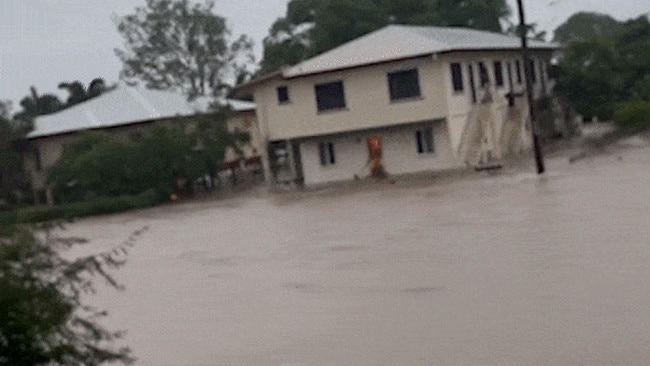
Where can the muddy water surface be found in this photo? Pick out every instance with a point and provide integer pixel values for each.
(503, 270)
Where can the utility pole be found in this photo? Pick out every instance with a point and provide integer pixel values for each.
(523, 33)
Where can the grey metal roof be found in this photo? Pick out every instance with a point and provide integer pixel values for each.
(122, 106)
(396, 42)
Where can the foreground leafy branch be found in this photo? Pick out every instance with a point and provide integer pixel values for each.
(42, 317)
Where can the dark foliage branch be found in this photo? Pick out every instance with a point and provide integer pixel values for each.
(42, 316)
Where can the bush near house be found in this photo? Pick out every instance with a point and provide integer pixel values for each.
(97, 206)
(633, 116)
(606, 74)
(105, 165)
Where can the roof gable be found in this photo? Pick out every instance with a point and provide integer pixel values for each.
(396, 42)
(122, 106)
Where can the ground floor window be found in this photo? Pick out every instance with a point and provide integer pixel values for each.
(326, 152)
(424, 140)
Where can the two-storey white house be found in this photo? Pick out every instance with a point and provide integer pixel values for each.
(402, 99)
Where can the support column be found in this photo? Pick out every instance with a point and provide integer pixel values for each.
(291, 159)
(266, 165)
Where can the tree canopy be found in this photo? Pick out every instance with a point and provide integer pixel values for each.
(182, 45)
(597, 73)
(12, 133)
(584, 26)
(311, 27)
(78, 93)
(35, 105)
(102, 164)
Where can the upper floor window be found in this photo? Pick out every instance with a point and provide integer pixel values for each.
(532, 70)
(498, 73)
(330, 96)
(518, 67)
(424, 140)
(457, 77)
(283, 95)
(326, 152)
(404, 84)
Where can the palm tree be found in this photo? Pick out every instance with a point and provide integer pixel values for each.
(38, 105)
(78, 93)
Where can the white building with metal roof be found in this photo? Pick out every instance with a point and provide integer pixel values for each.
(129, 112)
(125, 106)
(402, 99)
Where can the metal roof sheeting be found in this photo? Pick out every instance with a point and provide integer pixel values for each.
(125, 105)
(396, 42)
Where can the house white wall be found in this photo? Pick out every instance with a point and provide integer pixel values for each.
(368, 104)
(399, 154)
(459, 104)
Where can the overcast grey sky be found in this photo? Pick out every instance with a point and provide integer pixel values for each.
(44, 42)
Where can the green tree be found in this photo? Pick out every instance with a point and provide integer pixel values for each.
(96, 87)
(311, 27)
(585, 26)
(77, 91)
(101, 164)
(43, 320)
(212, 140)
(38, 105)
(479, 14)
(598, 73)
(175, 44)
(12, 142)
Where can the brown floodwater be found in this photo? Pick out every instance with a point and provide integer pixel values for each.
(507, 269)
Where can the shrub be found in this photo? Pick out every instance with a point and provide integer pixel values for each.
(633, 116)
(97, 206)
(103, 165)
(7, 222)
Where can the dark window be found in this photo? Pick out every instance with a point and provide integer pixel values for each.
(518, 67)
(326, 152)
(498, 73)
(404, 84)
(330, 96)
(283, 95)
(457, 77)
(483, 74)
(532, 70)
(472, 83)
(424, 140)
(509, 71)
